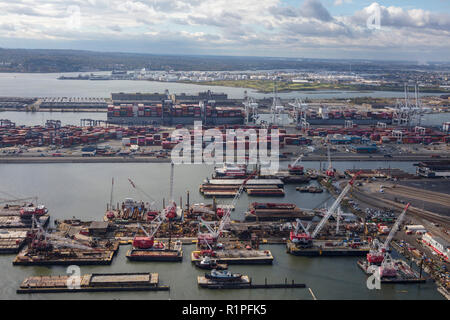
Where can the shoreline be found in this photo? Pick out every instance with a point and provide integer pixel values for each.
(144, 159)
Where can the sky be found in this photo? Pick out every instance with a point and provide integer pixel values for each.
(415, 30)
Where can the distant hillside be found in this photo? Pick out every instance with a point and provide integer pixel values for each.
(43, 60)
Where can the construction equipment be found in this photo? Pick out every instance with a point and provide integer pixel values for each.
(214, 233)
(171, 209)
(148, 241)
(41, 240)
(294, 168)
(377, 252)
(306, 238)
(330, 171)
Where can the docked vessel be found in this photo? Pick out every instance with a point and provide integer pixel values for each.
(269, 211)
(229, 171)
(210, 264)
(223, 276)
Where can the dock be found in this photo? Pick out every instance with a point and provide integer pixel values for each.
(324, 251)
(97, 282)
(238, 256)
(245, 283)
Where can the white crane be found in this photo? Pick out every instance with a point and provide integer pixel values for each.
(299, 159)
(141, 191)
(330, 170)
(377, 253)
(334, 206)
(214, 233)
(306, 237)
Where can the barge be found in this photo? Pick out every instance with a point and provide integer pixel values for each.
(11, 241)
(17, 222)
(166, 254)
(237, 257)
(259, 211)
(319, 249)
(69, 256)
(97, 282)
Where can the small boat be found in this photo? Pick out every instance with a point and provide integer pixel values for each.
(209, 264)
(223, 276)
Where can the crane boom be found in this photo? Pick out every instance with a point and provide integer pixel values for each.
(297, 160)
(395, 227)
(226, 217)
(334, 206)
(111, 195)
(142, 191)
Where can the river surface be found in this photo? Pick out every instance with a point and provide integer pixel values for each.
(82, 191)
(47, 85)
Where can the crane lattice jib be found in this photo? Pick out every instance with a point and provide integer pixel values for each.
(395, 228)
(334, 206)
(226, 217)
(297, 160)
(142, 192)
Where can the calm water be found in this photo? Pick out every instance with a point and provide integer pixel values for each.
(82, 190)
(47, 85)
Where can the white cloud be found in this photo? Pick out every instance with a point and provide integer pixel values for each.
(231, 26)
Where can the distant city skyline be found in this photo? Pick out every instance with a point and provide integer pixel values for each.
(329, 29)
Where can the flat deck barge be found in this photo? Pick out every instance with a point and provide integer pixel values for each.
(175, 254)
(238, 256)
(15, 221)
(93, 283)
(67, 257)
(324, 251)
(11, 241)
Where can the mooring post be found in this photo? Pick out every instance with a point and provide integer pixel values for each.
(265, 281)
(285, 281)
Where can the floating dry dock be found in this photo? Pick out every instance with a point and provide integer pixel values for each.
(67, 257)
(96, 282)
(238, 256)
(245, 282)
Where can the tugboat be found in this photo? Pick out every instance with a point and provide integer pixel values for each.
(223, 276)
(209, 264)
